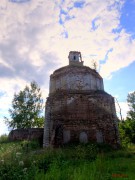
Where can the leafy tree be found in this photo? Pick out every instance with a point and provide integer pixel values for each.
(131, 104)
(127, 127)
(26, 109)
(127, 131)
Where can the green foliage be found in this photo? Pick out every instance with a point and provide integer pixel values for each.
(27, 146)
(27, 107)
(127, 127)
(68, 163)
(86, 151)
(131, 104)
(3, 138)
(15, 162)
(127, 131)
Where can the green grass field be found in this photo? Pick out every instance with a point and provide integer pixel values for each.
(26, 160)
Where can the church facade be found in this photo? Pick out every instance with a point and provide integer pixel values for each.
(77, 108)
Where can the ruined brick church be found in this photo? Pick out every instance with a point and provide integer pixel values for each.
(78, 109)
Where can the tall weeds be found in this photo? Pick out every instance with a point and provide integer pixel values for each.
(26, 160)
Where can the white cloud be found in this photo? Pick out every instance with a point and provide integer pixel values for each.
(123, 107)
(3, 127)
(34, 30)
(121, 56)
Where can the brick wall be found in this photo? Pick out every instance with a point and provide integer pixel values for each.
(82, 117)
(26, 134)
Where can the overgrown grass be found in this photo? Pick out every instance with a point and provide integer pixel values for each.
(26, 160)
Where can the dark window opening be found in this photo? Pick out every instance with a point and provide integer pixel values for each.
(74, 58)
(58, 135)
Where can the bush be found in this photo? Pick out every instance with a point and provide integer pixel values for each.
(104, 147)
(4, 138)
(81, 151)
(27, 146)
(17, 171)
(86, 151)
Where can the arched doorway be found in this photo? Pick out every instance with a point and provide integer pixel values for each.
(59, 135)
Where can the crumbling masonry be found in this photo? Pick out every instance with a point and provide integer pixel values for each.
(78, 109)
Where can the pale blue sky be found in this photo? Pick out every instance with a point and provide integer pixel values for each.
(37, 35)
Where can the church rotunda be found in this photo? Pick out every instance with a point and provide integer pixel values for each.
(77, 108)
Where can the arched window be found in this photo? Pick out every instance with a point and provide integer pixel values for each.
(83, 138)
(99, 136)
(66, 136)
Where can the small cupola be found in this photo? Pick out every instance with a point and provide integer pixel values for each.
(75, 58)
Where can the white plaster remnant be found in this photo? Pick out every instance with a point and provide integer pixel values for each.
(75, 56)
(75, 81)
(66, 136)
(99, 136)
(83, 137)
(69, 101)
